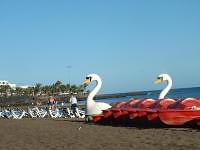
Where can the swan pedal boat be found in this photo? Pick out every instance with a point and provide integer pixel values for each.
(168, 111)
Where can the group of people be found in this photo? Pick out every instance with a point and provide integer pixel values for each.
(73, 101)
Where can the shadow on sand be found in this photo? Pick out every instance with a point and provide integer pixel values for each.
(139, 124)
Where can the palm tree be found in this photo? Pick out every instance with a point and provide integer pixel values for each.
(19, 91)
(68, 87)
(37, 89)
(73, 89)
(5, 90)
(58, 86)
(29, 91)
(80, 90)
(58, 83)
(46, 90)
(12, 91)
(1, 90)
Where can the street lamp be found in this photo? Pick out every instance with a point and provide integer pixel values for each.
(69, 73)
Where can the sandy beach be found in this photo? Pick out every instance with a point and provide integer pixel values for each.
(29, 134)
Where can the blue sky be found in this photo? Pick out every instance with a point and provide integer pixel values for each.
(128, 43)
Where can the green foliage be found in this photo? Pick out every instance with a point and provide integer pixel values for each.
(5, 90)
(38, 90)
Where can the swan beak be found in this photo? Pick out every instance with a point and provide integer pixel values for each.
(157, 81)
(86, 82)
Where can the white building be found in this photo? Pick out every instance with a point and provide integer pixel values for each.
(3, 82)
(24, 86)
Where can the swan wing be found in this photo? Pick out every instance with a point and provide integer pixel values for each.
(103, 106)
(97, 108)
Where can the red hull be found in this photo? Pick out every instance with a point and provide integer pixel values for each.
(168, 111)
(179, 117)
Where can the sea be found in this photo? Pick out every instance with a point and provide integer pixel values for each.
(174, 94)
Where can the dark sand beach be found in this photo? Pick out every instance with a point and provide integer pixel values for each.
(29, 134)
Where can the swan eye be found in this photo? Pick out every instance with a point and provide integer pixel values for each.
(160, 78)
(88, 78)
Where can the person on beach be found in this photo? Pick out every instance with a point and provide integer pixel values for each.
(51, 102)
(73, 102)
(74, 105)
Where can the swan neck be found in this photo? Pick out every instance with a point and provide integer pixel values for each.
(95, 91)
(166, 90)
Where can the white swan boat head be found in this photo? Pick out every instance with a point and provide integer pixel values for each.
(92, 107)
(161, 78)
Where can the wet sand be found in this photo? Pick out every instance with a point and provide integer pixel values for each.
(29, 134)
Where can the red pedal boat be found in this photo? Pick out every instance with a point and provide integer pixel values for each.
(181, 112)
